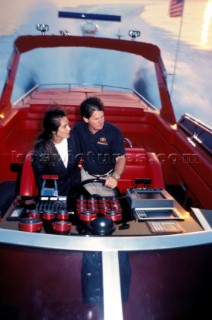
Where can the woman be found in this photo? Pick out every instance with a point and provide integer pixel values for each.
(56, 152)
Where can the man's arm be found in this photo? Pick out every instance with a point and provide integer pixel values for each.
(120, 165)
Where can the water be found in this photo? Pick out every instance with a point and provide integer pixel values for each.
(190, 59)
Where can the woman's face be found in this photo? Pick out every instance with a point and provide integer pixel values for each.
(63, 131)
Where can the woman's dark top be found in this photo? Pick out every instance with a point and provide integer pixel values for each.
(45, 164)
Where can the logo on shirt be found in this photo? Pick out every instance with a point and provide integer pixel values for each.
(102, 141)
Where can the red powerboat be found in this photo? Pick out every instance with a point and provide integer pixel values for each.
(165, 194)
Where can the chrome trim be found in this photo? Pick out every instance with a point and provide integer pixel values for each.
(204, 223)
(101, 243)
(70, 87)
(129, 142)
(112, 287)
(28, 93)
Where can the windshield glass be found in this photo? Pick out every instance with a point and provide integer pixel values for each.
(86, 67)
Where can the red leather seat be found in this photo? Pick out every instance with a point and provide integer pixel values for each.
(141, 164)
(28, 185)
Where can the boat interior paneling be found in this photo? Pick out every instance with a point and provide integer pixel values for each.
(195, 168)
(8, 191)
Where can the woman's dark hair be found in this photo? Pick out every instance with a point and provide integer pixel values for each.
(51, 123)
(90, 105)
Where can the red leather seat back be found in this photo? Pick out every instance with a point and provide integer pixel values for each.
(141, 164)
(28, 185)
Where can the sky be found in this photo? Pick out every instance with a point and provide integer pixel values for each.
(185, 43)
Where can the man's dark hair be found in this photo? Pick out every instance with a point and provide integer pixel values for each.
(88, 106)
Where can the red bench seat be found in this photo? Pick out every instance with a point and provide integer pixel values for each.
(139, 164)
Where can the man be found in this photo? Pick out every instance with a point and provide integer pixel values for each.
(103, 151)
(102, 147)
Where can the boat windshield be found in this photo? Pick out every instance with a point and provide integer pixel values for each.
(86, 67)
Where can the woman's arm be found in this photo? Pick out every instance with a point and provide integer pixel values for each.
(40, 165)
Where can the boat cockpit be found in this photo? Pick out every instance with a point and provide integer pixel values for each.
(144, 253)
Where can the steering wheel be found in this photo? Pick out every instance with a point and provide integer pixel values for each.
(99, 180)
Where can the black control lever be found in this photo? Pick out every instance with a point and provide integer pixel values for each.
(145, 181)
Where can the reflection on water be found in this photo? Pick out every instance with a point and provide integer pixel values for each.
(151, 18)
(195, 23)
(207, 24)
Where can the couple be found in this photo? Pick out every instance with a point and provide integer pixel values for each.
(99, 143)
(101, 146)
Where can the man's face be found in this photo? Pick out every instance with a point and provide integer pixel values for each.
(96, 121)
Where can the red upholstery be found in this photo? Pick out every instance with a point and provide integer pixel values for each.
(27, 185)
(140, 164)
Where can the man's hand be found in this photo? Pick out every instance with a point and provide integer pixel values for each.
(110, 182)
